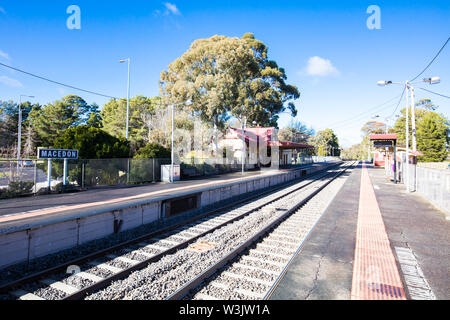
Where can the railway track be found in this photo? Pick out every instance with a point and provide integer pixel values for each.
(172, 263)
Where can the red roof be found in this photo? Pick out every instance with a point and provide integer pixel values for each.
(383, 137)
(289, 144)
(251, 134)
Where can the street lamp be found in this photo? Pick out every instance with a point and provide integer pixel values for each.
(408, 86)
(432, 80)
(19, 125)
(128, 94)
(244, 151)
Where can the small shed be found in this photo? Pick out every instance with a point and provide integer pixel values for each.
(386, 148)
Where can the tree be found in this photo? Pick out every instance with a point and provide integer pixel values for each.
(400, 124)
(153, 150)
(432, 131)
(432, 136)
(142, 109)
(9, 118)
(94, 118)
(225, 77)
(293, 129)
(373, 127)
(93, 143)
(355, 152)
(326, 143)
(52, 120)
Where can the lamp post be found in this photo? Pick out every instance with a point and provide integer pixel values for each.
(19, 132)
(244, 149)
(409, 87)
(128, 94)
(172, 156)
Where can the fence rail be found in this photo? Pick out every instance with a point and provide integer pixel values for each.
(429, 180)
(28, 177)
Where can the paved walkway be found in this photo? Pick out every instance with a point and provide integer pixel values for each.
(40, 207)
(375, 273)
(374, 241)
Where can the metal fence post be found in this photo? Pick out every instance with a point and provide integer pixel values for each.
(128, 170)
(35, 176)
(153, 170)
(82, 175)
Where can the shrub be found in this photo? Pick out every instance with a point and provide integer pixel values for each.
(153, 150)
(17, 188)
(93, 143)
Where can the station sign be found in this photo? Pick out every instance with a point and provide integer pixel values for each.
(57, 154)
(383, 144)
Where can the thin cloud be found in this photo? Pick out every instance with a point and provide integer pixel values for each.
(10, 82)
(172, 8)
(2, 10)
(4, 55)
(320, 67)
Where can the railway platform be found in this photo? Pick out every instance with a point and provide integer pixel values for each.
(375, 241)
(37, 226)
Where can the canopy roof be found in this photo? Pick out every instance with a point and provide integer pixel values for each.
(265, 134)
(383, 136)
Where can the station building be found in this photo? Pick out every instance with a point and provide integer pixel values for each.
(289, 152)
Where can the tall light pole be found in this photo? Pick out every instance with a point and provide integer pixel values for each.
(244, 149)
(173, 144)
(407, 138)
(19, 125)
(128, 94)
(408, 87)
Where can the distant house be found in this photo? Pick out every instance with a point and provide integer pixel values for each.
(288, 151)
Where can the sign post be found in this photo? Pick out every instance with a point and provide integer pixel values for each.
(57, 154)
(49, 174)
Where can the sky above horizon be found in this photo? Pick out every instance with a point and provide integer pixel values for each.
(326, 48)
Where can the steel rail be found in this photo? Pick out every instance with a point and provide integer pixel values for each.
(184, 290)
(80, 294)
(7, 287)
(300, 247)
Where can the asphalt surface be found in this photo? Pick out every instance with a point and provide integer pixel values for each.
(324, 267)
(412, 222)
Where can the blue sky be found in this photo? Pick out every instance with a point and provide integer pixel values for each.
(325, 46)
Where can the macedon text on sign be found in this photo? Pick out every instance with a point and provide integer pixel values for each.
(57, 154)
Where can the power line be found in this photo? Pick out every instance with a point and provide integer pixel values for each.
(435, 93)
(371, 110)
(58, 83)
(399, 101)
(354, 122)
(431, 60)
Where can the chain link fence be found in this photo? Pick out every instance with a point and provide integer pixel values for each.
(28, 177)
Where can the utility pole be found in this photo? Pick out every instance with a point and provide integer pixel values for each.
(407, 138)
(173, 144)
(243, 120)
(408, 86)
(128, 95)
(413, 120)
